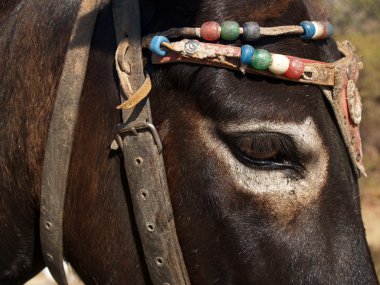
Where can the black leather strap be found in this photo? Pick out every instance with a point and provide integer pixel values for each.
(143, 161)
(60, 139)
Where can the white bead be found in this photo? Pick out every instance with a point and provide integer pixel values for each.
(318, 30)
(280, 64)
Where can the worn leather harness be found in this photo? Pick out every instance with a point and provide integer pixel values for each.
(60, 139)
(138, 138)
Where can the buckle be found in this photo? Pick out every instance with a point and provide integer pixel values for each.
(134, 128)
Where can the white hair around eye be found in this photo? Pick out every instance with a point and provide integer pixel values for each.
(277, 188)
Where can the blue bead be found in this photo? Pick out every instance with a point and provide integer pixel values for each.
(247, 52)
(309, 30)
(330, 30)
(155, 45)
(251, 31)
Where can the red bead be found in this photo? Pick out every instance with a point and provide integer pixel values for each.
(210, 31)
(296, 68)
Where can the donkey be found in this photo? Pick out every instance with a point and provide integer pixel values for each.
(261, 185)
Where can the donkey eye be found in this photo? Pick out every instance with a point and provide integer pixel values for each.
(270, 151)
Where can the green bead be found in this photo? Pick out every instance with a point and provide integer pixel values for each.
(262, 59)
(229, 30)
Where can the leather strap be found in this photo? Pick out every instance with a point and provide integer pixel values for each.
(123, 69)
(346, 103)
(226, 56)
(189, 32)
(138, 96)
(143, 160)
(60, 139)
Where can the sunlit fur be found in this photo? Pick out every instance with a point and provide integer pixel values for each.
(229, 233)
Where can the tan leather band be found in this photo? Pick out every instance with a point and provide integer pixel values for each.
(137, 96)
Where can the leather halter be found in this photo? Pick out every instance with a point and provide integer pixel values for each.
(144, 165)
(139, 141)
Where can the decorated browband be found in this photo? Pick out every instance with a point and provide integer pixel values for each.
(190, 50)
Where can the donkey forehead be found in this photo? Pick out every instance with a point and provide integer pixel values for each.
(189, 13)
(225, 95)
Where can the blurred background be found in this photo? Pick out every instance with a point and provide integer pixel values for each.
(359, 22)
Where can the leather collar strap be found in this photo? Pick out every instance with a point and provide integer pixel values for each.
(60, 139)
(141, 147)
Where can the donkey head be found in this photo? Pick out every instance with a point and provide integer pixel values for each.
(261, 183)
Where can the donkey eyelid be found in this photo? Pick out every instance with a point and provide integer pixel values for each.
(265, 150)
(304, 135)
(265, 141)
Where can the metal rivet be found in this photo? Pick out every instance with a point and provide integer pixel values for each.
(192, 46)
(138, 161)
(159, 261)
(48, 226)
(150, 227)
(144, 194)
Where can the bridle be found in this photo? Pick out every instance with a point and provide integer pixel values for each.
(337, 80)
(138, 138)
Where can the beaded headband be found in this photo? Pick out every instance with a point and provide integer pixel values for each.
(252, 60)
(337, 80)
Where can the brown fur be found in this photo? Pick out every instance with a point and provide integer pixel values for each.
(31, 62)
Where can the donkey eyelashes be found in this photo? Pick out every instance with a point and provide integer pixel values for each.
(266, 150)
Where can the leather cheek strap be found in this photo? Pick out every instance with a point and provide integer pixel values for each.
(139, 142)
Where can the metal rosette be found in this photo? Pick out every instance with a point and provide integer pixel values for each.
(191, 47)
